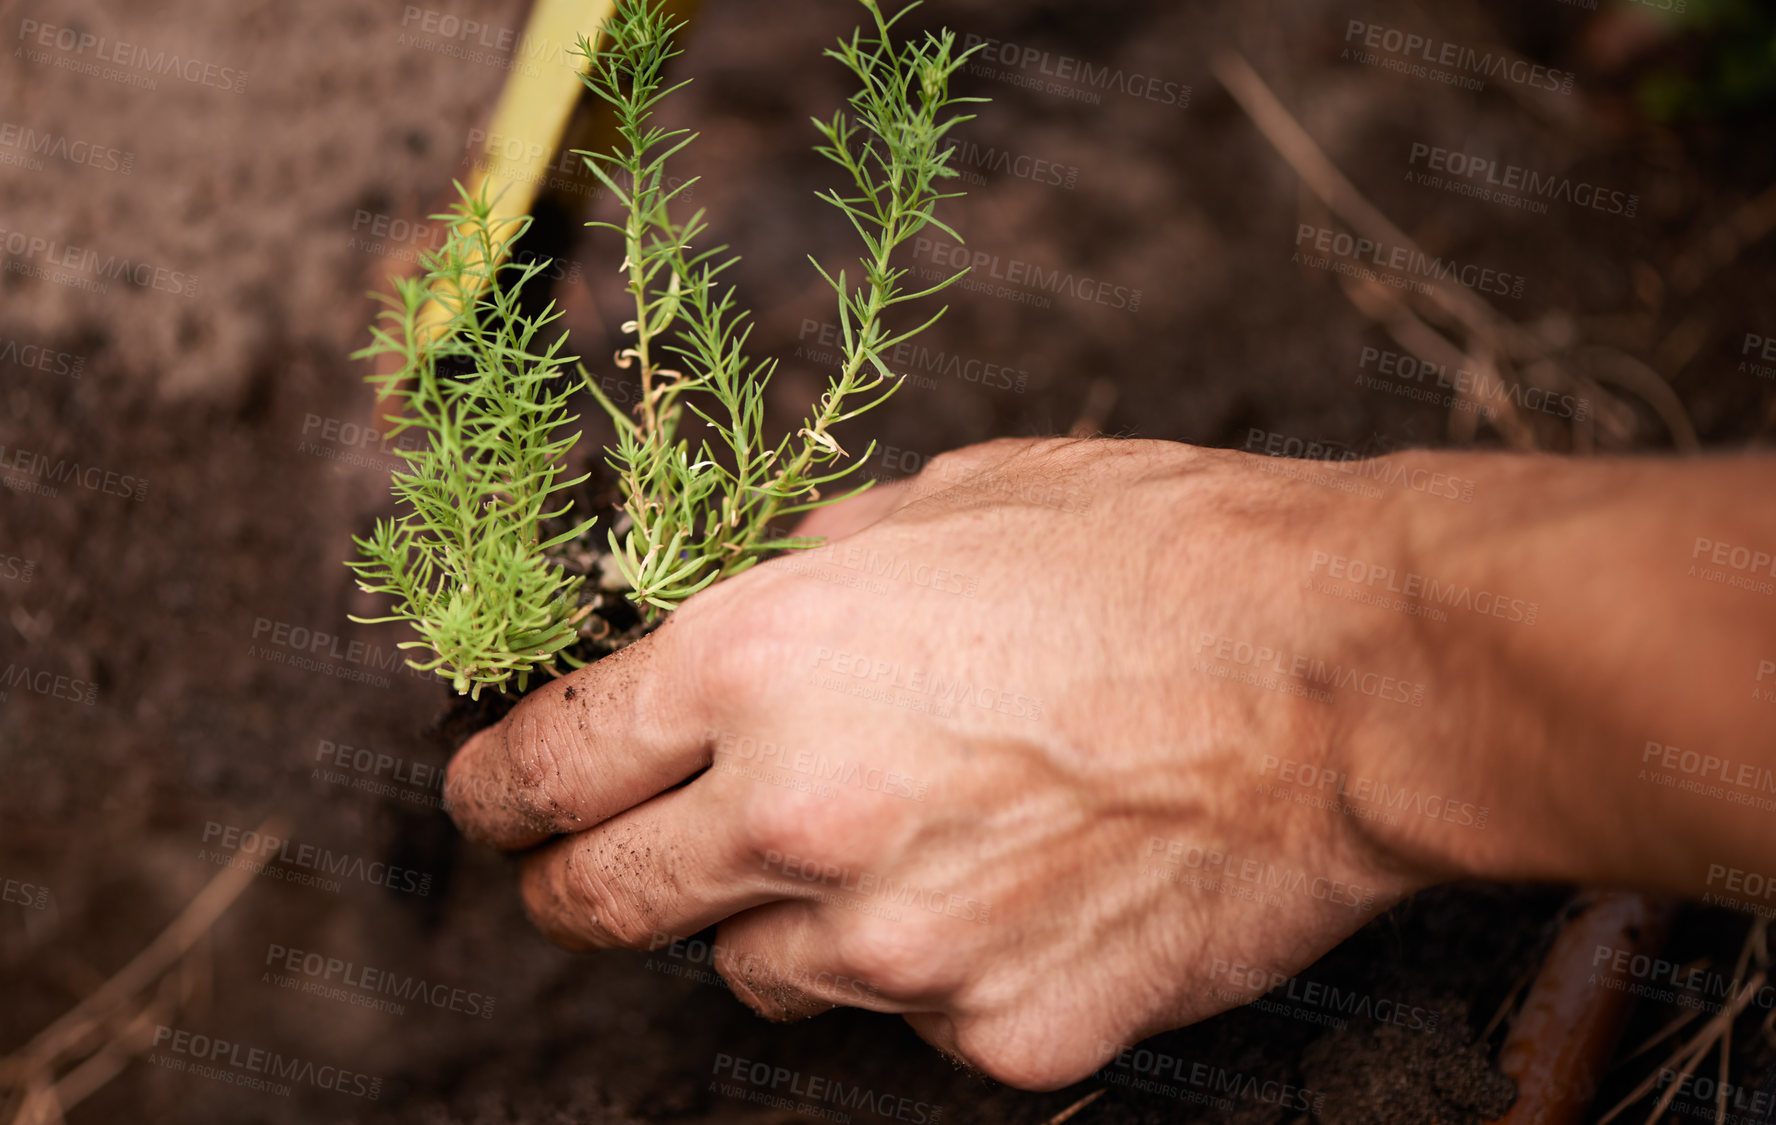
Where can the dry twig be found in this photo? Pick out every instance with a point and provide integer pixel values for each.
(93, 1041)
(1494, 343)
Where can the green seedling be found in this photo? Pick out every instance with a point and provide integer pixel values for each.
(467, 560)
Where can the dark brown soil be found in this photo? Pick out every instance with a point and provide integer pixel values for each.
(232, 404)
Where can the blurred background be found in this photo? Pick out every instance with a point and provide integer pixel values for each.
(1303, 229)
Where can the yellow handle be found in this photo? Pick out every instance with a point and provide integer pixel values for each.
(532, 113)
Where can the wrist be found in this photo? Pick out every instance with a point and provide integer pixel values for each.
(1417, 591)
(1505, 651)
(1524, 640)
(1331, 619)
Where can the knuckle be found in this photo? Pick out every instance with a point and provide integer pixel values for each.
(740, 668)
(610, 917)
(896, 959)
(804, 825)
(739, 641)
(539, 767)
(766, 821)
(532, 736)
(1007, 1052)
(756, 988)
(545, 906)
(496, 780)
(463, 792)
(741, 982)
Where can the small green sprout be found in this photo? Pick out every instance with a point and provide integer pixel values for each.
(701, 515)
(467, 562)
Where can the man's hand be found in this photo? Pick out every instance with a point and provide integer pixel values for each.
(1063, 743)
(978, 762)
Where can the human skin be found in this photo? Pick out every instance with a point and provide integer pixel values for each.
(1183, 704)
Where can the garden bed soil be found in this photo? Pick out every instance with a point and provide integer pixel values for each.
(234, 405)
